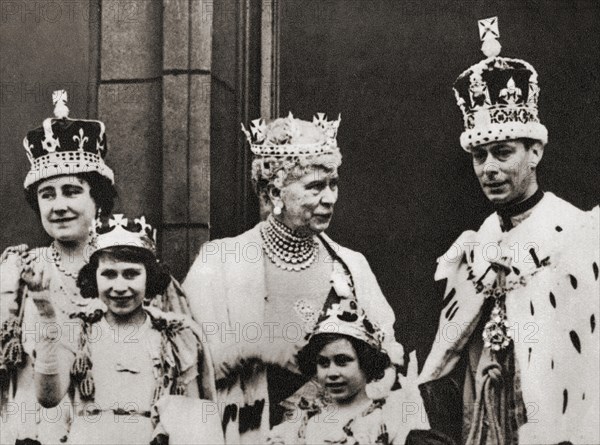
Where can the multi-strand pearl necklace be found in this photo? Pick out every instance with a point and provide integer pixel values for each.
(67, 285)
(285, 249)
(56, 258)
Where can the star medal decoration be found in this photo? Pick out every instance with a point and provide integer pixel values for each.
(495, 333)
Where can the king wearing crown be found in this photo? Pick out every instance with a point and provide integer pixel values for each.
(521, 293)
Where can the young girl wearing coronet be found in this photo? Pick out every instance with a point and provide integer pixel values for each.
(344, 355)
(68, 186)
(131, 363)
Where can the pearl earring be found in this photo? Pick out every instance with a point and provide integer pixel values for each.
(277, 210)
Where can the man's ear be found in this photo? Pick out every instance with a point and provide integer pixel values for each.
(536, 153)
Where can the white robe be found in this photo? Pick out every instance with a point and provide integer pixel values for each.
(552, 312)
(226, 289)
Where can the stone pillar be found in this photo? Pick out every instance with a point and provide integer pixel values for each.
(186, 73)
(130, 102)
(154, 97)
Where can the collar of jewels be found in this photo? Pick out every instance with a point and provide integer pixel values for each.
(498, 112)
(120, 231)
(290, 137)
(345, 317)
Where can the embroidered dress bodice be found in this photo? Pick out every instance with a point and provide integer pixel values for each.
(365, 427)
(382, 421)
(294, 299)
(124, 361)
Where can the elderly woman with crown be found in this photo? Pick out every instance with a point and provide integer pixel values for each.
(260, 293)
(132, 364)
(68, 185)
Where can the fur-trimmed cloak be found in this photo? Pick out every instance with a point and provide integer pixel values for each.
(552, 307)
(226, 289)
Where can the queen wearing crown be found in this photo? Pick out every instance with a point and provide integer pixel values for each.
(259, 294)
(68, 185)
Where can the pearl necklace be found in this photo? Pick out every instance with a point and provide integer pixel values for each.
(56, 258)
(285, 249)
(72, 300)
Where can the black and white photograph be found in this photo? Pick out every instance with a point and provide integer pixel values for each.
(299, 222)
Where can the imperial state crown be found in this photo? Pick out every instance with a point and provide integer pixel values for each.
(498, 96)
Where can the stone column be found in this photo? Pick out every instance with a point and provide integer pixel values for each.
(130, 102)
(154, 96)
(186, 72)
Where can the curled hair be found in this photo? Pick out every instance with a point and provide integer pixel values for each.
(281, 172)
(102, 191)
(157, 276)
(371, 361)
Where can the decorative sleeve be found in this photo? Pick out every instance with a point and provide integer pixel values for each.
(184, 343)
(10, 284)
(461, 306)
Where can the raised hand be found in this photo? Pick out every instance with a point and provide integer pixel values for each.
(36, 275)
(43, 303)
(19, 249)
(35, 272)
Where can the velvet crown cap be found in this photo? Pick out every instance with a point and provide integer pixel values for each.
(498, 96)
(63, 146)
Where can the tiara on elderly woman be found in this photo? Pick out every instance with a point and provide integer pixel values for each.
(119, 232)
(63, 146)
(288, 136)
(498, 96)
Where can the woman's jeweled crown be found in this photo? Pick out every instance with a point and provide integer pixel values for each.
(63, 146)
(290, 137)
